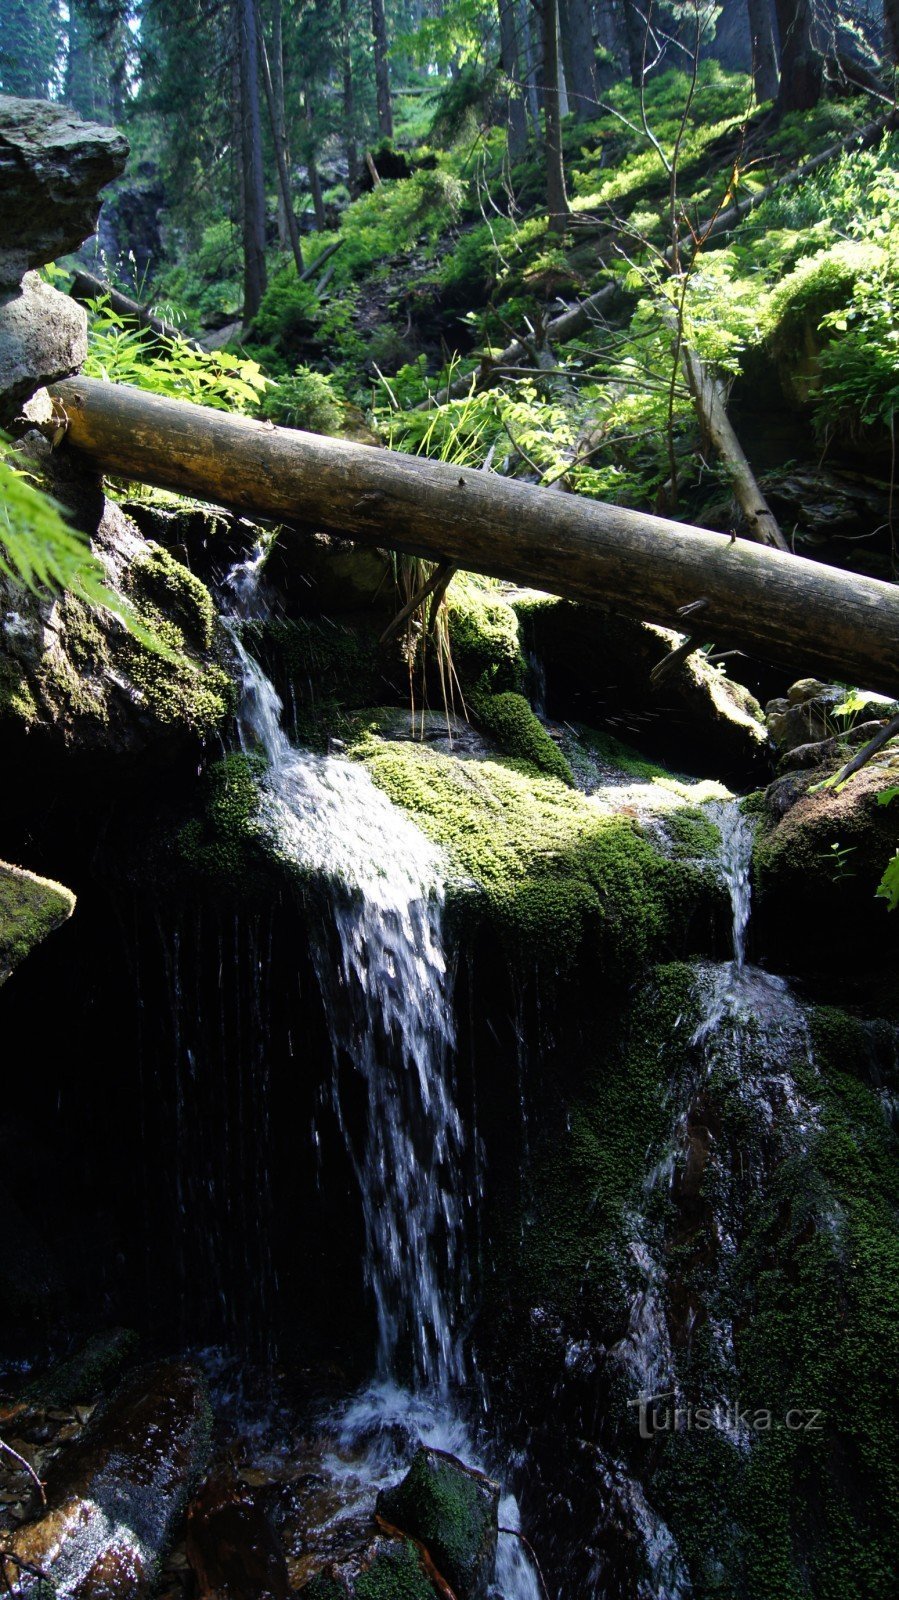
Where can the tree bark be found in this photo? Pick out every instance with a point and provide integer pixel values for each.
(809, 617)
(281, 159)
(556, 196)
(635, 40)
(253, 176)
(315, 182)
(801, 59)
(382, 69)
(711, 409)
(579, 56)
(516, 116)
(349, 100)
(891, 30)
(764, 49)
(280, 115)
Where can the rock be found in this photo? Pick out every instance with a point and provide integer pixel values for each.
(598, 672)
(43, 336)
(114, 1498)
(807, 715)
(52, 168)
(819, 858)
(454, 1511)
(812, 755)
(391, 1568)
(317, 572)
(30, 908)
(232, 1547)
(91, 1368)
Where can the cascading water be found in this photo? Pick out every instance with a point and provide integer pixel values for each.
(387, 991)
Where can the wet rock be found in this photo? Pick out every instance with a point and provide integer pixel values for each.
(392, 1568)
(30, 908)
(454, 1511)
(43, 337)
(91, 1368)
(598, 671)
(52, 168)
(232, 1547)
(317, 572)
(813, 755)
(114, 1498)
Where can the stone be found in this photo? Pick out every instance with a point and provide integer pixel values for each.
(453, 1510)
(52, 168)
(808, 715)
(114, 1498)
(43, 337)
(386, 1569)
(232, 1547)
(30, 908)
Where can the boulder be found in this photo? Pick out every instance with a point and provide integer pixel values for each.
(231, 1545)
(43, 336)
(392, 1568)
(807, 714)
(453, 1510)
(114, 1498)
(52, 168)
(92, 1368)
(30, 908)
(598, 671)
(317, 572)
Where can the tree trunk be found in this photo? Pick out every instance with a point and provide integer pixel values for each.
(349, 100)
(891, 30)
(530, 28)
(556, 197)
(516, 116)
(382, 70)
(311, 154)
(280, 115)
(253, 177)
(281, 159)
(764, 49)
(635, 40)
(809, 617)
(711, 409)
(801, 59)
(579, 56)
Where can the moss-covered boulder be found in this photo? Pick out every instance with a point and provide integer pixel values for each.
(820, 855)
(554, 874)
(30, 908)
(387, 1569)
(454, 1511)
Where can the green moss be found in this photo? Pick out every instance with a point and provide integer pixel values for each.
(556, 876)
(83, 1375)
(511, 723)
(30, 908)
(692, 835)
(321, 668)
(16, 697)
(395, 1573)
(451, 1511)
(224, 845)
(483, 631)
(184, 688)
(821, 283)
(753, 805)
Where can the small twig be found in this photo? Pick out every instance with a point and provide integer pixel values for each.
(517, 1534)
(675, 658)
(27, 1465)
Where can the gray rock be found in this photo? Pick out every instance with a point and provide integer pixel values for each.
(454, 1511)
(114, 1498)
(385, 1566)
(52, 168)
(807, 716)
(43, 337)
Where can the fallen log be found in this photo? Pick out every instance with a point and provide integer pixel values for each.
(711, 409)
(772, 604)
(85, 287)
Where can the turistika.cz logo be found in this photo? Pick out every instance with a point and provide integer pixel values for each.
(661, 1413)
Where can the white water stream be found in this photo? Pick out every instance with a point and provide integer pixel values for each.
(387, 992)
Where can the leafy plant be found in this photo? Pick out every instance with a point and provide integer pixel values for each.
(170, 366)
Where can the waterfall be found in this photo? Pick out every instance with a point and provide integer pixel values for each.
(387, 990)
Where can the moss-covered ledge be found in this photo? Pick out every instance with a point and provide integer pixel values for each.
(554, 873)
(30, 908)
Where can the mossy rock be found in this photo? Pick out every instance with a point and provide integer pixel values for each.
(512, 724)
(387, 1569)
(87, 1372)
(30, 909)
(554, 875)
(454, 1511)
(483, 633)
